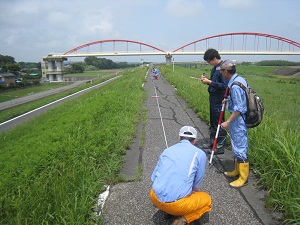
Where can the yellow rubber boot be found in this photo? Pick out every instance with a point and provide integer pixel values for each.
(244, 173)
(235, 172)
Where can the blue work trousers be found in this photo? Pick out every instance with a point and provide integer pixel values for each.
(239, 138)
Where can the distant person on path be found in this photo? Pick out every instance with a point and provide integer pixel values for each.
(237, 106)
(177, 178)
(155, 73)
(216, 88)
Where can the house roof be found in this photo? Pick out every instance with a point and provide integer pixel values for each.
(7, 75)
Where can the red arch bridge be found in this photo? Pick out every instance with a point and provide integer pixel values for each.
(236, 43)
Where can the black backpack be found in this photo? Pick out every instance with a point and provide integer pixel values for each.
(255, 107)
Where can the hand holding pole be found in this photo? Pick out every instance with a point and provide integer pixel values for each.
(219, 125)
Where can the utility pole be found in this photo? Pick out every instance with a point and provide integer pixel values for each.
(173, 64)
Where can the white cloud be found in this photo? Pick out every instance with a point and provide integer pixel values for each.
(18, 15)
(183, 8)
(98, 23)
(237, 4)
(31, 29)
(297, 22)
(58, 17)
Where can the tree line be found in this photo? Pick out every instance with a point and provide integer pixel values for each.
(94, 63)
(277, 63)
(8, 64)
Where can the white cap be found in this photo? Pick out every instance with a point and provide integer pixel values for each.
(188, 131)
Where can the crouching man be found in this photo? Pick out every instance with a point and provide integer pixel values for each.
(177, 178)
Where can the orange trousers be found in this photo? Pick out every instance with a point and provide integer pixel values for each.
(192, 207)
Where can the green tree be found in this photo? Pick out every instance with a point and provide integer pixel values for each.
(277, 63)
(77, 67)
(4, 59)
(122, 65)
(30, 65)
(246, 63)
(105, 63)
(13, 68)
(91, 60)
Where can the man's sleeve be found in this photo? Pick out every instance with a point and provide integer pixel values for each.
(200, 172)
(238, 97)
(219, 81)
(155, 171)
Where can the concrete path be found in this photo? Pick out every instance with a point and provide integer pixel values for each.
(129, 203)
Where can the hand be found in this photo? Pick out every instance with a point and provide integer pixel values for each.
(205, 80)
(224, 101)
(224, 125)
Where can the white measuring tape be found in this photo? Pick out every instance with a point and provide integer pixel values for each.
(161, 120)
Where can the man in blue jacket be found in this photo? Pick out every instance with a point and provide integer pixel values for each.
(237, 106)
(177, 178)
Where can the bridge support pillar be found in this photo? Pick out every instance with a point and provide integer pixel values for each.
(55, 70)
(50, 77)
(168, 59)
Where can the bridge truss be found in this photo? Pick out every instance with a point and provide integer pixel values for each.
(242, 43)
(236, 43)
(114, 48)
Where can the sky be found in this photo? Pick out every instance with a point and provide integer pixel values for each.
(31, 29)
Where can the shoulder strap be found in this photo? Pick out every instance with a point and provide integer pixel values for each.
(239, 84)
(235, 78)
(244, 88)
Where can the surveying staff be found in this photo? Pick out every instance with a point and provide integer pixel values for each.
(216, 88)
(237, 105)
(177, 178)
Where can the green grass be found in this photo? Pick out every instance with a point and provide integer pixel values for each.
(274, 145)
(13, 94)
(91, 74)
(18, 110)
(53, 167)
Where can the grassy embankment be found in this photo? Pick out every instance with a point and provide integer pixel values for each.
(13, 94)
(274, 145)
(18, 110)
(53, 167)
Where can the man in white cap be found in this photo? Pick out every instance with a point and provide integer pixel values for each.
(177, 178)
